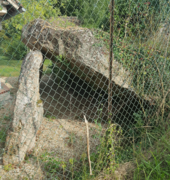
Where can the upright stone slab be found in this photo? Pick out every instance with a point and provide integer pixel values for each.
(28, 111)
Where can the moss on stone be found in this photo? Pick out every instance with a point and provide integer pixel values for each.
(8, 167)
(39, 102)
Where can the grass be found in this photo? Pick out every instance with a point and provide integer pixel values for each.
(151, 164)
(50, 118)
(11, 68)
(2, 135)
(154, 164)
(78, 168)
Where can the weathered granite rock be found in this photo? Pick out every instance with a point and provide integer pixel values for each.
(28, 111)
(83, 54)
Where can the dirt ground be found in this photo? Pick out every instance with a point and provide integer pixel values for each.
(62, 132)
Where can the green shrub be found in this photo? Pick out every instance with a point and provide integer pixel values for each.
(3, 134)
(153, 164)
(15, 49)
(134, 16)
(131, 17)
(149, 68)
(10, 40)
(102, 160)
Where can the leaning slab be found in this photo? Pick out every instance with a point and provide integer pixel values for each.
(28, 111)
(83, 54)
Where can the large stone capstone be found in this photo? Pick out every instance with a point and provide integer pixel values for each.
(83, 54)
(28, 111)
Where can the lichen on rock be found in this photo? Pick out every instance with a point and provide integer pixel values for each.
(27, 113)
(80, 48)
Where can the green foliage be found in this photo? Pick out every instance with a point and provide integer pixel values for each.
(34, 9)
(7, 118)
(94, 13)
(10, 37)
(145, 65)
(71, 139)
(14, 50)
(134, 16)
(46, 67)
(154, 164)
(49, 117)
(52, 165)
(91, 13)
(1, 7)
(105, 159)
(102, 160)
(3, 134)
(8, 167)
(131, 17)
(61, 75)
(68, 7)
(149, 68)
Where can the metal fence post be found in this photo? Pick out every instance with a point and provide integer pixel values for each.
(110, 58)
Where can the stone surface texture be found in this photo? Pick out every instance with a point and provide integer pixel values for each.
(83, 54)
(28, 111)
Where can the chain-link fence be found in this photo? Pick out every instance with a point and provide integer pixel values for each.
(84, 85)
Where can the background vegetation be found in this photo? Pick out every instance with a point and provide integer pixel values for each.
(132, 18)
(140, 49)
